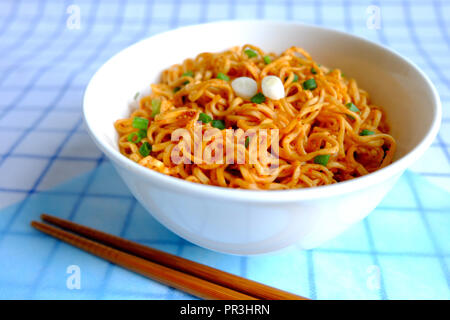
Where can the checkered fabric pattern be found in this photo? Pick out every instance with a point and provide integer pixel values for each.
(401, 251)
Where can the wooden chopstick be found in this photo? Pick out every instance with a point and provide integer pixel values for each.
(185, 266)
(185, 282)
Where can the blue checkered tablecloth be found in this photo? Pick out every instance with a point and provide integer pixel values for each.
(48, 163)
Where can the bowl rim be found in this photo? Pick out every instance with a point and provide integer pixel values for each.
(269, 196)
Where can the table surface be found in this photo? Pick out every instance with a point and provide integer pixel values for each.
(48, 163)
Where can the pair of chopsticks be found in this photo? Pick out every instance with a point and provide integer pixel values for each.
(186, 275)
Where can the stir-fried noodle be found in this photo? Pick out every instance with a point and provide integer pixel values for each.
(324, 130)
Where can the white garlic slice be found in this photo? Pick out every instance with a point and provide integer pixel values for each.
(244, 87)
(272, 87)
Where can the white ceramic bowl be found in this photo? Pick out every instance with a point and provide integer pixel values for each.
(252, 222)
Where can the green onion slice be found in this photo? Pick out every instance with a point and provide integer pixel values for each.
(145, 149)
(176, 89)
(140, 123)
(352, 107)
(134, 137)
(142, 133)
(156, 107)
(203, 117)
(309, 84)
(188, 74)
(250, 53)
(219, 124)
(247, 141)
(136, 95)
(294, 80)
(313, 71)
(223, 76)
(267, 59)
(258, 98)
(322, 159)
(366, 132)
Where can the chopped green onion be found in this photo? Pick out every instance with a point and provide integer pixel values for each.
(322, 159)
(309, 84)
(185, 83)
(366, 132)
(136, 95)
(145, 149)
(142, 133)
(176, 89)
(295, 78)
(352, 107)
(258, 98)
(133, 137)
(188, 74)
(247, 141)
(203, 117)
(250, 53)
(313, 71)
(156, 107)
(267, 59)
(140, 123)
(219, 124)
(223, 76)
